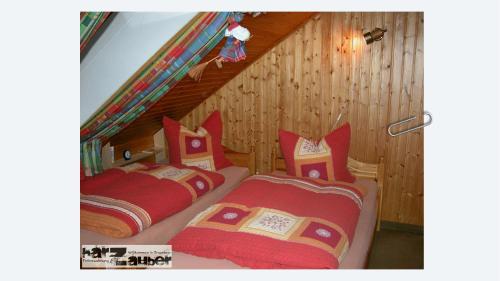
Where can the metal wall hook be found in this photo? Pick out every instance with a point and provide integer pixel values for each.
(408, 120)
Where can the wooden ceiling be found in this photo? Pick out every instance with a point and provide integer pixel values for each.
(267, 30)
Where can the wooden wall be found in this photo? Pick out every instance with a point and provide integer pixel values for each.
(304, 82)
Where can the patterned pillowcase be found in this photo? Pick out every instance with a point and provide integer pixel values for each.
(202, 148)
(326, 159)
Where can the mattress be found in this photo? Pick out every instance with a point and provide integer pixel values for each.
(355, 258)
(164, 230)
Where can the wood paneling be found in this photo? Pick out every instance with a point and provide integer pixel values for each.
(303, 83)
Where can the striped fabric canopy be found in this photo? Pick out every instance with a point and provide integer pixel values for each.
(150, 83)
(90, 22)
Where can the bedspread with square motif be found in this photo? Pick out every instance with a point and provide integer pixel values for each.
(277, 222)
(124, 201)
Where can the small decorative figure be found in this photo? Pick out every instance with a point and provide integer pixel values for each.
(234, 49)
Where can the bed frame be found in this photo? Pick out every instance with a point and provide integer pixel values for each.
(357, 168)
(241, 159)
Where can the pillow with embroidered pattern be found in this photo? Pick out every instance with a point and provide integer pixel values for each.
(325, 159)
(202, 148)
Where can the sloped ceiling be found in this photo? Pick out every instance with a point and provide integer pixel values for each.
(267, 30)
(129, 40)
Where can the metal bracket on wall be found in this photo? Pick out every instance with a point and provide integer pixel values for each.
(426, 113)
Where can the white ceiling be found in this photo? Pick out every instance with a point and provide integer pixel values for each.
(126, 44)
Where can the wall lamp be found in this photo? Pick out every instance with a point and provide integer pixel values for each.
(375, 35)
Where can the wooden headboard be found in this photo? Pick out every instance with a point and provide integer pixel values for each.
(357, 168)
(241, 159)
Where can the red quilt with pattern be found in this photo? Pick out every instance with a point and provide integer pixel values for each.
(277, 222)
(126, 200)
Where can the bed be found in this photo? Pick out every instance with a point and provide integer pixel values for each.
(370, 176)
(165, 229)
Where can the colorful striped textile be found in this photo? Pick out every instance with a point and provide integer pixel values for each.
(90, 155)
(157, 77)
(90, 22)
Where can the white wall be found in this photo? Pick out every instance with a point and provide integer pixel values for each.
(128, 42)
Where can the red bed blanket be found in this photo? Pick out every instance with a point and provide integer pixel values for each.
(277, 222)
(126, 200)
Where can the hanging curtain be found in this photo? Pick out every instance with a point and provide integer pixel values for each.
(90, 22)
(90, 156)
(154, 79)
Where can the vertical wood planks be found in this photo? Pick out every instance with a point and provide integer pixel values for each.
(355, 85)
(391, 178)
(316, 93)
(302, 83)
(325, 71)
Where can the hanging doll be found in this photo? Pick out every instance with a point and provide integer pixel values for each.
(234, 49)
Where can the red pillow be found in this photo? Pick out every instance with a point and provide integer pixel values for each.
(202, 148)
(326, 159)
